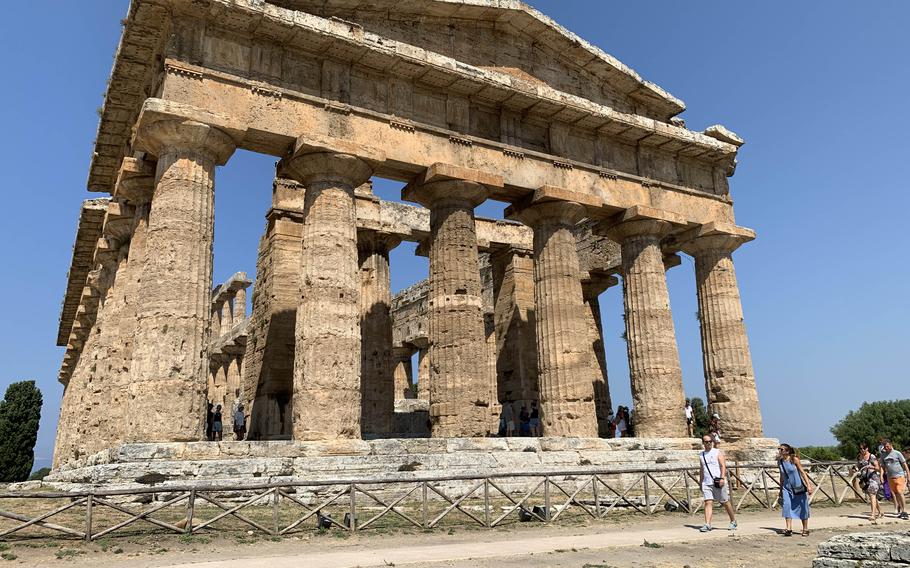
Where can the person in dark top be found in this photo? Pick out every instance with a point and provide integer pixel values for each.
(536, 425)
(525, 418)
(217, 428)
(209, 422)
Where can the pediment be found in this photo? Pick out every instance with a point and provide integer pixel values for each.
(505, 36)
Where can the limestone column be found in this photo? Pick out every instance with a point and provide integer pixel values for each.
(168, 368)
(458, 389)
(729, 378)
(513, 314)
(563, 352)
(603, 404)
(232, 390)
(240, 305)
(423, 373)
(227, 318)
(326, 398)
(376, 365)
(656, 377)
(135, 184)
(403, 373)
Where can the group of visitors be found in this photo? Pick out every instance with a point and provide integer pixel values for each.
(214, 423)
(713, 422)
(794, 484)
(883, 477)
(528, 423)
(621, 423)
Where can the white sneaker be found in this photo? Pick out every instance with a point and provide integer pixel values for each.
(705, 528)
(732, 526)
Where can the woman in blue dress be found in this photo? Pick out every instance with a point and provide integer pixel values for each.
(794, 489)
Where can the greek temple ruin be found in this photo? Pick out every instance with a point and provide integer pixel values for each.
(461, 100)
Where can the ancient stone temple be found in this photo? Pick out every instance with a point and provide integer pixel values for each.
(461, 101)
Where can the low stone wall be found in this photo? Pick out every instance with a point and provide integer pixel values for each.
(230, 463)
(868, 550)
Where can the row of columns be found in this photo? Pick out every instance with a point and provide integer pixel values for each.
(332, 372)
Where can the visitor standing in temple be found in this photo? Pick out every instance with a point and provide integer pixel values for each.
(536, 425)
(621, 422)
(239, 423)
(794, 489)
(507, 419)
(690, 426)
(217, 425)
(209, 421)
(524, 419)
(714, 427)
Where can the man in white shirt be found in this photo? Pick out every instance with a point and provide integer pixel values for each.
(690, 427)
(713, 480)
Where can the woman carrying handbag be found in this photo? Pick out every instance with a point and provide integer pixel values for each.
(794, 489)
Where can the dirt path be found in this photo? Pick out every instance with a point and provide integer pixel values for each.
(672, 540)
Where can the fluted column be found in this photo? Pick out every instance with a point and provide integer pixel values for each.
(729, 378)
(459, 391)
(232, 389)
(168, 368)
(423, 373)
(654, 369)
(563, 353)
(377, 368)
(240, 304)
(516, 344)
(327, 398)
(227, 318)
(403, 373)
(135, 184)
(602, 400)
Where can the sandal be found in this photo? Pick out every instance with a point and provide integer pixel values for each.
(788, 532)
(805, 533)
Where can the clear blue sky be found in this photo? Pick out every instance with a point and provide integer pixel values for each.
(817, 89)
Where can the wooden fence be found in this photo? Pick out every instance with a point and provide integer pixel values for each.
(421, 502)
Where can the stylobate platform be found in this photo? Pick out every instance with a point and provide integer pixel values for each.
(231, 462)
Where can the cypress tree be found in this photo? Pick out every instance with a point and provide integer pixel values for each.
(20, 412)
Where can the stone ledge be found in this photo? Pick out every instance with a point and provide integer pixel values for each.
(869, 550)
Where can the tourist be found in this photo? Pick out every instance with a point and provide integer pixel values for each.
(507, 419)
(713, 480)
(239, 423)
(217, 424)
(209, 419)
(869, 475)
(894, 466)
(690, 426)
(794, 489)
(714, 427)
(886, 487)
(621, 422)
(524, 418)
(536, 424)
(611, 427)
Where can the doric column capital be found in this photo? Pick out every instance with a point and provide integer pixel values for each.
(597, 285)
(640, 221)
(186, 136)
(135, 181)
(118, 221)
(441, 183)
(563, 213)
(374, 241)
(715, 237)
(332, 168)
